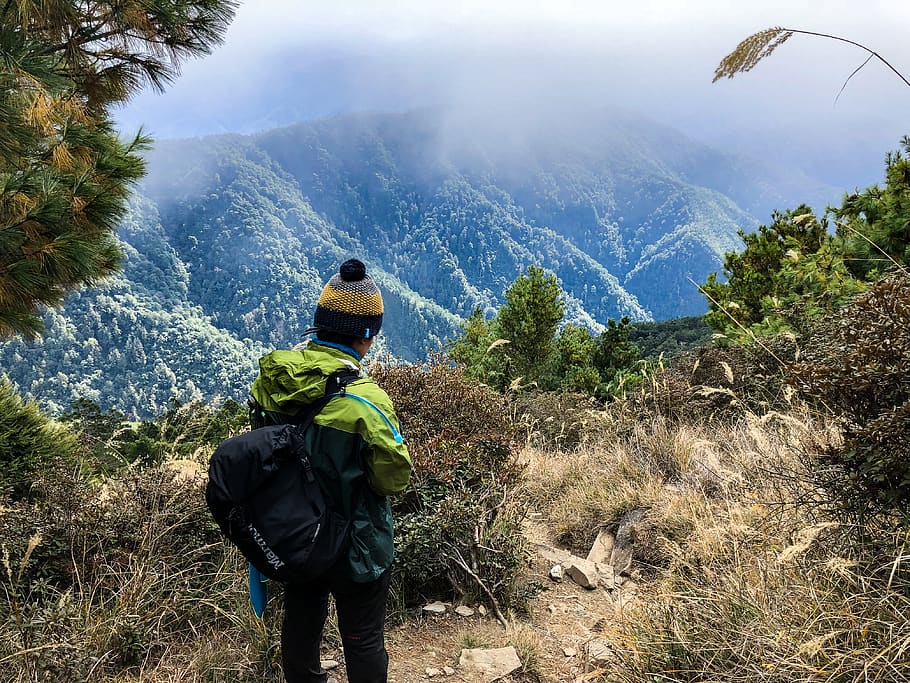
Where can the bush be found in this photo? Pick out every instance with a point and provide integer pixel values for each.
(458, 526)
(714, 383)
(29, 442)
(556, 420)
(104, 580)
(858, 366)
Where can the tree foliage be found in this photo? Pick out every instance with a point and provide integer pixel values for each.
(64, 172)
(875, 224)
(29, 442)
(523, 346)
(528, 320)
(789, 271)
(795, 270)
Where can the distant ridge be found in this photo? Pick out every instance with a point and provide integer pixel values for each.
(231, 237)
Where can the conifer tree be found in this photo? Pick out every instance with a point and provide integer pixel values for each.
(64, 172)
(529, 319)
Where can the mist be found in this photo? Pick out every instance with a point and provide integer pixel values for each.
(501, 69)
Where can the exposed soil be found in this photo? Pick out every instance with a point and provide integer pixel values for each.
(553, 641)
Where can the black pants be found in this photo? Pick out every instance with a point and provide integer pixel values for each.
(361, 616)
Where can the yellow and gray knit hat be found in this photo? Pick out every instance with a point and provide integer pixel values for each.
(350, 303)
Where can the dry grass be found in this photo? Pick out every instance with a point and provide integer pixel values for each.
(753, 576)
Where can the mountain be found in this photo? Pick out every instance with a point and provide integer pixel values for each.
(230, 238)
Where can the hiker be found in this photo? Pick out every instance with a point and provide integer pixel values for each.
(359, 458)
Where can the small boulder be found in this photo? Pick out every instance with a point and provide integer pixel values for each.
(602, 548)
(556, 572)
(600, 655)
(435, 608)
(464, 611)
(607, 575)
(582, 572)
(329, 664)
(490, 664)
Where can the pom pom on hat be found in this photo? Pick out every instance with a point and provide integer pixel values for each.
(352, 270)
(350, 303)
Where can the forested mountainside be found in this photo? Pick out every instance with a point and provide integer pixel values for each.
(230, 238)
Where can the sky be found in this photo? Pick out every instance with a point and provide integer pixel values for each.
(290, 60)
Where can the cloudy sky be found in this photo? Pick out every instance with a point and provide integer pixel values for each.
(288, 60)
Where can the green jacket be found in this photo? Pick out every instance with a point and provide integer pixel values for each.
(354, 444)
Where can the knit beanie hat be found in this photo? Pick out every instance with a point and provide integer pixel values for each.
(350, 303)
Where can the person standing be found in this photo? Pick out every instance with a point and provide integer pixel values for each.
(359, 458)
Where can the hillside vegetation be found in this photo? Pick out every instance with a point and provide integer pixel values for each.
(228, 240)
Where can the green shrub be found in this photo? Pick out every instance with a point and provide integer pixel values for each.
(458, 525)
(29, 441)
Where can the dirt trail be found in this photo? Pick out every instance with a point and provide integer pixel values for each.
(565, 621)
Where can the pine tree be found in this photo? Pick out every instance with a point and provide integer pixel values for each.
(529, 320)
(64, 172)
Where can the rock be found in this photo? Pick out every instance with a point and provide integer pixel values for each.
(329, 664)
(554, 555)
(599, 653)
(432, 672)
(435, 608)
(602, 548)
(606, 574)
(464, 611)
(569, 651)
(582, 572)
(481, 610)
(552, 609)
(490, 664)
(448, 670)
(621, 559)
(556, 572)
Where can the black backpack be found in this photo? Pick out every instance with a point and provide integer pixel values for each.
(264, 495)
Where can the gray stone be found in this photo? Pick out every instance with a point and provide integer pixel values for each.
(599, 653)
(554, 555)
(481, 610)
(436, 608)
(602, 548)
(489, 664)
(569, 651)
(464, 611)
(582, 572)
(448, 670)
(432, 672)
(621, 559)
(329, 664)
(607, 575)
(556, 572)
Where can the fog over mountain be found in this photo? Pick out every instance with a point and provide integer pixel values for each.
(286, 62)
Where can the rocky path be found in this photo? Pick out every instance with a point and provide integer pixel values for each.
(565, 638)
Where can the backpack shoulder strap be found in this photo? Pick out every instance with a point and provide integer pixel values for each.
(335, 385)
